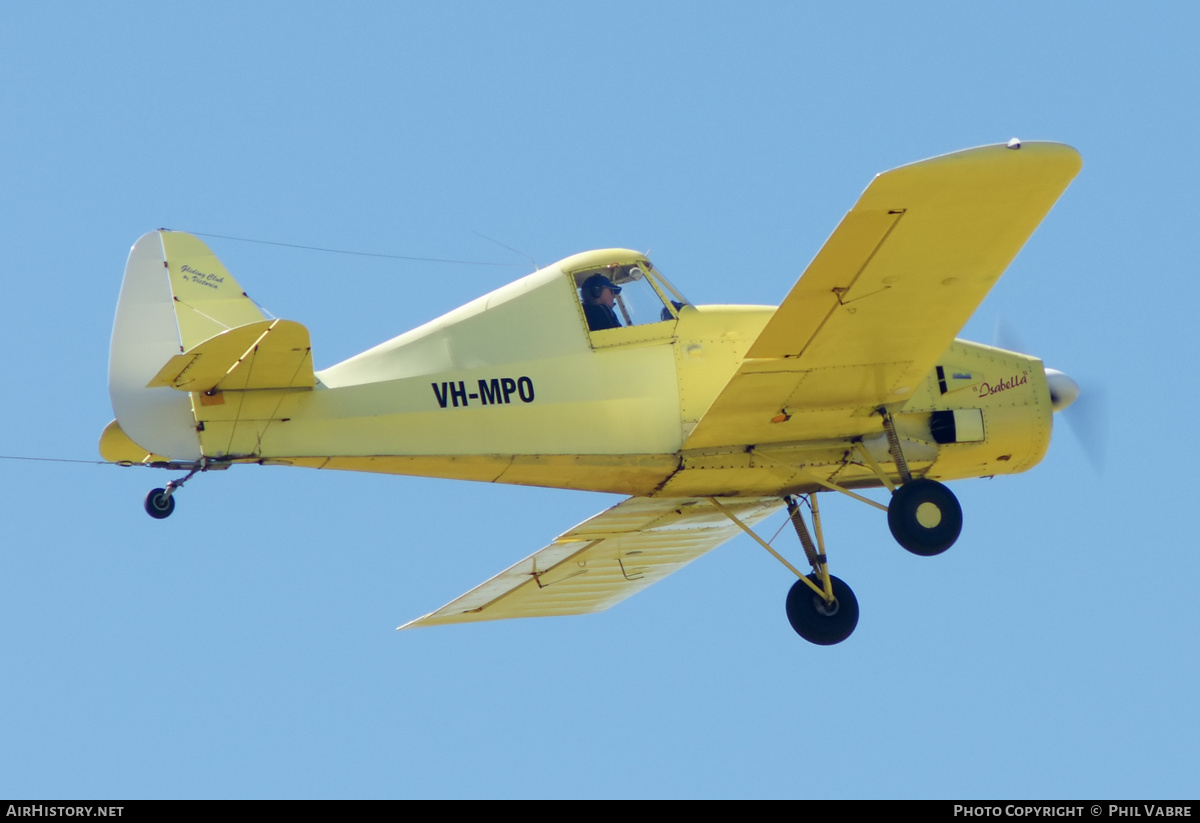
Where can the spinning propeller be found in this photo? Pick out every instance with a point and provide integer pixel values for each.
(1088, 415)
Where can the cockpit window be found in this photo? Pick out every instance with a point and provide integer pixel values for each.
(626, 293)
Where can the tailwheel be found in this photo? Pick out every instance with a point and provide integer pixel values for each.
(159, 504)
(925, 517)
(820, 622)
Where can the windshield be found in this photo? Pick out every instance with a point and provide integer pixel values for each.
(644, 295)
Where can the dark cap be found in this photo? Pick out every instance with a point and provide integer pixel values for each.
(596, 284)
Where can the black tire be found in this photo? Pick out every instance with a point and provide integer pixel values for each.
(925, 517)
(818, 622)
(158, 505)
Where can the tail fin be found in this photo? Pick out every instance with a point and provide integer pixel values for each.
(175, 295)
(208, 300)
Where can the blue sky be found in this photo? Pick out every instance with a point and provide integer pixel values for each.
(245, 646)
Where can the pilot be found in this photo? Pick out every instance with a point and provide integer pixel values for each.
(599, 296)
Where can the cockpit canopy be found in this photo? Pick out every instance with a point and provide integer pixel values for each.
(646, 296)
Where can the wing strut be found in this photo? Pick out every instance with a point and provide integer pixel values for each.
(820, 569)
(819, 480)
(755, 536)
(821, 608)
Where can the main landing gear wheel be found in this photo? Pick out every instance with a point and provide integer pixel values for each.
(159, 504)
(925, 517)
(817, 621)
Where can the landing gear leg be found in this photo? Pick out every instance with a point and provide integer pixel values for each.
(821, 608)
(160, 503)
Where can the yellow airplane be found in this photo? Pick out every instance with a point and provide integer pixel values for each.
(597, 374)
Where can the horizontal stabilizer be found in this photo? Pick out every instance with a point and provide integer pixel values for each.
(269, 354)
(604, 560)
(117, 447)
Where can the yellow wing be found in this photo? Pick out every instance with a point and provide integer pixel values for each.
(603, 560)
(888, 292)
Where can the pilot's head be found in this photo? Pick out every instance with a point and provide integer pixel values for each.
(599, 289)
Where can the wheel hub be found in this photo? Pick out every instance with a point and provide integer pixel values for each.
(826, 609)
(924, 517)
(929, 515)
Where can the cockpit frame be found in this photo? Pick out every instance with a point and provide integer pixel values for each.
(644, 319)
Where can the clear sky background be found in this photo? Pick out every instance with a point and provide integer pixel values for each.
(246, 647)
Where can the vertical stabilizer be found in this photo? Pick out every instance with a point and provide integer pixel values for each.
(175, 295)
(208, 300)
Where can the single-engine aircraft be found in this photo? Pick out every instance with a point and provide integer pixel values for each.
(709, 417)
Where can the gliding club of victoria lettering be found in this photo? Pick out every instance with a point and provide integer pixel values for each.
(213, 281)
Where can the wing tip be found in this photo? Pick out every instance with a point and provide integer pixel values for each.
(1047, 150)
(413, 623)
